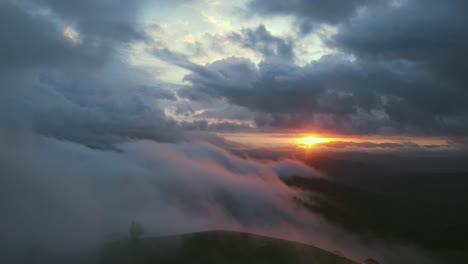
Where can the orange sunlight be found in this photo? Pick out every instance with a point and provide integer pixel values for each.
(309, 141)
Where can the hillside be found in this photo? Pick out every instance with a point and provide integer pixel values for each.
(217, 247)
(395, 218)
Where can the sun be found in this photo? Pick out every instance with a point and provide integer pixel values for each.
(312, 140)
(309, 141)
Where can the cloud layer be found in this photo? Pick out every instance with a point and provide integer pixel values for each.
(387, 75)
(62, 194)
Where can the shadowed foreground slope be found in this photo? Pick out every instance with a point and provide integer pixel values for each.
(438, 227)
(218, 247)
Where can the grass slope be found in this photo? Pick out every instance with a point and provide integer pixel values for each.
(217, 247)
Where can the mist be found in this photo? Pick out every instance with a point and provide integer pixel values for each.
(67, 197)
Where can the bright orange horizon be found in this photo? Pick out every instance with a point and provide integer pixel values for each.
(313, 140)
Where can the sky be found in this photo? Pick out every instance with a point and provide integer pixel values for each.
(129, 110)
(364, 68)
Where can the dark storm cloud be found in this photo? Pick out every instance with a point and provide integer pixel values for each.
(273, 48)
(288, 92)
(96, 109)
(431, 34)
(157, 92)
(431, 37)
(33, 32)
(396, 70)
(271, 87)
(336, 94)
(309, 13)
(77, 89)
(203, 125)
(108, 19)
(228, 111)
(33, 40)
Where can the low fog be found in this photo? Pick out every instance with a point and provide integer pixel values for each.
(63, 196)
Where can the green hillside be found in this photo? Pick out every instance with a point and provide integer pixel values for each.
(217, 247)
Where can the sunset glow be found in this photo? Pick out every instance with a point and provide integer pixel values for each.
(294, 140)
(310, 141)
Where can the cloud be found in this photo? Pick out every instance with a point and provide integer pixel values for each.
(176, 58)
(94, 108)
(368, 145)
(310, 13)
(287, 90)
(273, 48)
(37, 41)
(386, 76)
(203, 125)
(113, 20)
(78, 89)
(335, 94)
(69, 195)
(157, 92)
(55, 34)
(433, 39)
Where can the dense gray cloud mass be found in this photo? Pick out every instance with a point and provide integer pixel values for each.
(397, 70)
(203, 125)
(93, 108)
(279, 88)
(157, 92)
(72, 84)
(288, 92)
(273, 48)
(310, 13)
(321, 11)
(36, 41)
(432, 34)
(33, 32)
(109, 19)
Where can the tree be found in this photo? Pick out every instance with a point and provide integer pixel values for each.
(135, 231)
